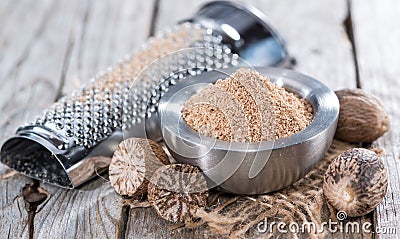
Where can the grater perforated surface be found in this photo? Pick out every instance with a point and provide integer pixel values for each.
(128, 93)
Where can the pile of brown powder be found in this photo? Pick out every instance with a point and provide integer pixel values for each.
(247, 107)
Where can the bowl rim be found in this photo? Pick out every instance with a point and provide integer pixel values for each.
(323, 100)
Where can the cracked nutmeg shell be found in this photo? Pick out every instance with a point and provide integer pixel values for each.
(355, 182)
(177, 191)
(133, 163)
(362, 117)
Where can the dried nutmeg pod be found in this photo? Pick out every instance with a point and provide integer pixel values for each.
(177, 191)
(133, 163)
(362, 117)
(355, 182)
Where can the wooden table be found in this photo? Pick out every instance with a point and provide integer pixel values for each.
(47, 48)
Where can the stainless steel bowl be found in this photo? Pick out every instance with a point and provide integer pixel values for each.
(251, 168)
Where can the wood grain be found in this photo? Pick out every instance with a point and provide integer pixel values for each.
(103, 34)
(30, 62)
(93, 211)
(30, 75)
(13, 216)
(377, 37)
(315, 37)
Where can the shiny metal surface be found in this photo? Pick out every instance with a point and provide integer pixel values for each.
(246, 30)
(251, 168)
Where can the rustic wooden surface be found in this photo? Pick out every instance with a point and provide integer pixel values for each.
(47, 48)
(378, 57)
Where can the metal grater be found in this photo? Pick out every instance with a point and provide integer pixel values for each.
(70, 142)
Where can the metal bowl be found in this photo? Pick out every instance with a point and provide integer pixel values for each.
(251, 168)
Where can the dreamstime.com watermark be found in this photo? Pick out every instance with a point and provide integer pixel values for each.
(339, 226)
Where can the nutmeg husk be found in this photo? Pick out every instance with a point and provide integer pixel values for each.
(362, 117)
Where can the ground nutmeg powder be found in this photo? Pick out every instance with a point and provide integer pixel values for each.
(247, 107)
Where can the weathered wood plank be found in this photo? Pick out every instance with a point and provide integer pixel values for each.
(99, 34)
(13, 216)
(145, 223)
(377, 38)
(26, 88)
(316, 38)
(91, 212)
(23, 79)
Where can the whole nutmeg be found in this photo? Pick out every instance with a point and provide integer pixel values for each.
(355, 182)
(134, 161)
(362, 117)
